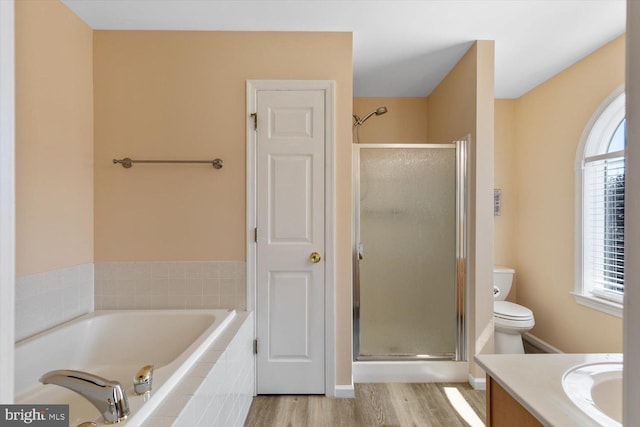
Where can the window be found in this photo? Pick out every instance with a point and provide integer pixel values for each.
(600, 181)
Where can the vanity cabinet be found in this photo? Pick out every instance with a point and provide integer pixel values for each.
(504, 411)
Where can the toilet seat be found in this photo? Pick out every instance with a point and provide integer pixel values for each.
(514, 327)
(513, 312)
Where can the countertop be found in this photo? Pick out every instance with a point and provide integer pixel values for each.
(535, 381)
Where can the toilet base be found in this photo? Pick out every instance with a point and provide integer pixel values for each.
(508, 343)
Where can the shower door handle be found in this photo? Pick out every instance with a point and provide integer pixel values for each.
(315, 257)
(360, 251)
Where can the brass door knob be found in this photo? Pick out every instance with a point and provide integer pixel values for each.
(315, 257)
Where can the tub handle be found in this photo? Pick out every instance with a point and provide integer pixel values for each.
(143, 379)
(87, 424)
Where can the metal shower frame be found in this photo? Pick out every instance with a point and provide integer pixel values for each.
(461, 197)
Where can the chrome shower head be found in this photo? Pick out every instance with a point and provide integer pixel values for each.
(378, 112)
(381, 110)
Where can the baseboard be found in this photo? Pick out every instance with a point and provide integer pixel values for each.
(345, 391)
(410, 372)
(478, 383)
(536, 342)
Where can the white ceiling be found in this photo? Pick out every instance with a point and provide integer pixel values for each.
(400, 47)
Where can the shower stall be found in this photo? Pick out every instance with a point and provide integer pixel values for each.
(410, 251)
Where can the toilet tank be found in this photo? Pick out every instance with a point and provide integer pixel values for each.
(502, 280)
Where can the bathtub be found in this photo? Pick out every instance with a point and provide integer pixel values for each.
(115, 345)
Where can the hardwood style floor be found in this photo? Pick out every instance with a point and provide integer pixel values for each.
(375, 405)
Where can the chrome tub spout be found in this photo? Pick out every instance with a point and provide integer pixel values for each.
(107, 396)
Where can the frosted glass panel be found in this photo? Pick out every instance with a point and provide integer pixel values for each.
(407, 228)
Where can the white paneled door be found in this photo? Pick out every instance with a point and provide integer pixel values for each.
(290, 271)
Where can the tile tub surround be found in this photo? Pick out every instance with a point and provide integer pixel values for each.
(44, 300)
(170, 285)
(219, 389)
(535, 382)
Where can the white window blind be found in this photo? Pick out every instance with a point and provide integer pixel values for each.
(599, 224)
(603, 248)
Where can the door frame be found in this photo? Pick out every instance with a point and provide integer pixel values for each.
(7, 200)
(328, 86)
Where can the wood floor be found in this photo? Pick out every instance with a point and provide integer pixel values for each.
(374, 405)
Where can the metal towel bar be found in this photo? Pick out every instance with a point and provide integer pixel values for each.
(127, 162)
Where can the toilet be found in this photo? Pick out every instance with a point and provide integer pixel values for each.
(510, 320)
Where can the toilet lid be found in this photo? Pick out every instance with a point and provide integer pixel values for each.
(509, 310)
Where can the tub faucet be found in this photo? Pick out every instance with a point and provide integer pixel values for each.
(107, 396)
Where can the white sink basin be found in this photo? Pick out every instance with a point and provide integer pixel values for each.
(596, 388)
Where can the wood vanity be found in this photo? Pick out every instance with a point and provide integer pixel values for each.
(504, 411)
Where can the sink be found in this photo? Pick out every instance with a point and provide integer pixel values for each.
(596, 388)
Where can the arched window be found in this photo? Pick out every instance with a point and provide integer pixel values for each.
(600, 182)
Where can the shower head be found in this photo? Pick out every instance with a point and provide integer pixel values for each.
(378, 112)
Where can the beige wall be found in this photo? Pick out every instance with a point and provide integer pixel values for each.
(404, 123)
(505, 144)
(166, 95)
(549, 121)
(462, 104)
(54, 138)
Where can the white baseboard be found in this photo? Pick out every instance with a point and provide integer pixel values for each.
(478, 383)
(410, 372)
(538, 343)
(345, 391)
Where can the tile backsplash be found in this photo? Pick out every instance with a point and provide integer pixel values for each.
(44, 300)
(172, 285)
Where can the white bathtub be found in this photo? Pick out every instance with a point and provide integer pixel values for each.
(115, 345)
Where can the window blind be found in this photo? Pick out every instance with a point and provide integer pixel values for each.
(604, 225)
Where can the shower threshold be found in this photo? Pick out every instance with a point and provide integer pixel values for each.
(410, 371)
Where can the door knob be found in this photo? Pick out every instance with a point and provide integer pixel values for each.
(315, 257)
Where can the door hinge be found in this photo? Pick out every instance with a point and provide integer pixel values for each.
(255, 234)
(255, 120)
(255, 346)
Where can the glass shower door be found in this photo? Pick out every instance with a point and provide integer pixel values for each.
(406, 298)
